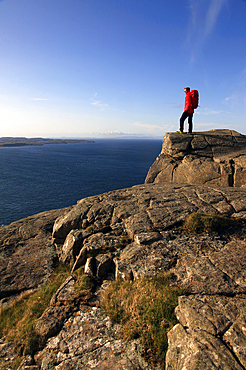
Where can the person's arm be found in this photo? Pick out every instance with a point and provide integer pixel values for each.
(188, 103)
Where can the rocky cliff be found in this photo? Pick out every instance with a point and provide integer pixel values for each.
(215, 157)
(126, 234)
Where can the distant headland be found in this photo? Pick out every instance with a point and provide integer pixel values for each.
(23, 141)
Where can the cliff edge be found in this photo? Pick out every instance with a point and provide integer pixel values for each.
(125, 235)
(215, 157)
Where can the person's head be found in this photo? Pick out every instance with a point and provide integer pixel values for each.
(186, 89)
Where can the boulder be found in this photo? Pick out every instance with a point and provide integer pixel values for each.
(215, 157)
(210, 335)
(104, 265)
(101, 266)
(123, 271)
(80, 260)
(72, 246)
(201, 351)
(72, 220)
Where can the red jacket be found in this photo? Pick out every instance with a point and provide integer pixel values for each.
(188, 103)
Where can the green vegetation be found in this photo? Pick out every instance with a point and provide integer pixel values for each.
(123, 242)
(145, 308)
(84, 282)
(90, 229)
(197, 223)
(18, 321)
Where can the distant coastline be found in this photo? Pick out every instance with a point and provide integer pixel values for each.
(23, 141)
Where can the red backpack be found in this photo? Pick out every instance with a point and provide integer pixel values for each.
(194, 98)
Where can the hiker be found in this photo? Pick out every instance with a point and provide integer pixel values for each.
(188, 111)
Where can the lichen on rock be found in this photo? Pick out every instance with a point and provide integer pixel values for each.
(129, 233)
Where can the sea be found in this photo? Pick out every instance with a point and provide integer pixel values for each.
(34, 179)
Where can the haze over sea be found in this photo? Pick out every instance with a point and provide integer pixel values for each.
(40, 178)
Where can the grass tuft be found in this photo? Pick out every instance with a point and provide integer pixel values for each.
(145, 308)
(84, 282)
(17, 322)
(123, 242)
(196, 223)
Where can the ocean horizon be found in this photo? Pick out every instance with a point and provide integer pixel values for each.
(41, 178)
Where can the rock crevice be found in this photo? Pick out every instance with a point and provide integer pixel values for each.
(133, 232)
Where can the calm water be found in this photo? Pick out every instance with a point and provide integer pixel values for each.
(40, 178)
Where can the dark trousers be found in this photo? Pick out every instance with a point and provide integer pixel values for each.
(183, 118)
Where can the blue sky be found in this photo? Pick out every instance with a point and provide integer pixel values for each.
(91, 68)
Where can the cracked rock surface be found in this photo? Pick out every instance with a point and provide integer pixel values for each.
(215, 157)
(27, 254)
(125, 234)
(88, 340)
(210, 335)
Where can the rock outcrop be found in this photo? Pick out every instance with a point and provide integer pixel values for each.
(126, 234)
(215, 157)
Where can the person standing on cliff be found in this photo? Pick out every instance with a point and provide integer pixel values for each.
(188, 111)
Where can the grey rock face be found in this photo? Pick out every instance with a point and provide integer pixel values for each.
(88, 340)
(104, 265)
(27, 253)
(149, 209)
(211, 334)
(72, 246)
(7, 355)
(129, 233)
(215, 157)
(205, 264)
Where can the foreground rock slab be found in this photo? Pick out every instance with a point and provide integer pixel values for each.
(205, 264)
(27, 253)
(125, 234)
(144, 208)
(211, 334)
(215, 157)
(88, 340)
